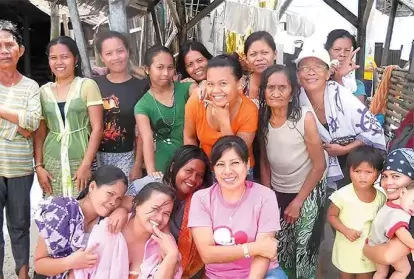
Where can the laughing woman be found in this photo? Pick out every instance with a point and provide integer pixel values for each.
(227, 112)
(69, 135)
(292, 164)
(192, 61)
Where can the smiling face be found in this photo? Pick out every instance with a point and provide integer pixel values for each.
(340, 49)
(278, 90)
(61, 61)
(392, 182)
(156, 210)
(162, 69)
(190, 177)
(222, 85)
(10, 51)
(313, 74)
(106, 198)
(115, 55)
(230, 170)
(363, 176)
(196, 65)
(260, 56)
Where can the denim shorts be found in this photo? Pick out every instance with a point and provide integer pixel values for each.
(276, 273)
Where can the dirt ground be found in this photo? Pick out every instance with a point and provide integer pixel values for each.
(328, 270)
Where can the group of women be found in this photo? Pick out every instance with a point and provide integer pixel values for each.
(287, 129)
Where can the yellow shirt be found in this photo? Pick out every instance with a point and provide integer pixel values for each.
(369, 64)
(347, 256)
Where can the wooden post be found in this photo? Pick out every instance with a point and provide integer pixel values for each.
(117, 16)
(182, 31)
(26, 38)
(284, 7)
(203, 13)
(412, 58)
(65, 25)
(79, 37)
(54, 21)
(156, 24)
(361, 39)
(388, 37)
(344, 12)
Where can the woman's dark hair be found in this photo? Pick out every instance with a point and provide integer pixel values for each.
(181, 157)
(259, 36)
(102, 37)
(366, 154)
(153, 51)
(145, 193)
(12, 28)
(229, 142)
(338, 34)
(73, 48)
(185, 49)
(294, 109)
(226, 60)
(105, 175)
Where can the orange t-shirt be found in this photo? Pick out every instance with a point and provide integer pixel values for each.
(246, 120)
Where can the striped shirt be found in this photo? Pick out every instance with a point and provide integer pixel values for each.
(16, 152)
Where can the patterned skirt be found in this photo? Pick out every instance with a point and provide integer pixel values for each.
(298, 251)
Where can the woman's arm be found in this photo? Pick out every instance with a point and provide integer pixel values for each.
(43, 176)
(210, 253)
(136, 171)
(387, 253)
(145, 131)
(260, 265)
(190, 132)
(316, 153)
(335, 222)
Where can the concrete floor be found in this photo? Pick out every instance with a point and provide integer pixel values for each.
(328, 270)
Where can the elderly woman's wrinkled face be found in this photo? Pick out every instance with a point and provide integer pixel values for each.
(278, 90)
(313, 74)
(10, 51)
(341, 49)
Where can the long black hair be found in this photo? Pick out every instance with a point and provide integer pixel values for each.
(294, 110)
(106, 175)
(73, 48)
(181, 157)
(338, 34)
(259, 36)
(184, 50)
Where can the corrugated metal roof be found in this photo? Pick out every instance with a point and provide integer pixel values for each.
(404, 8)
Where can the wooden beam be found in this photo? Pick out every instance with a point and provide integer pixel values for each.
(54, 21)
(157, 28)
(65, 25)
(27, 51)
(182, 31)
(174, 13)
(284, 7)
(117, 16)
(202, 14)
(412, 58)
(79, 37)
(361, 38)
(344, 12)
(388, 37)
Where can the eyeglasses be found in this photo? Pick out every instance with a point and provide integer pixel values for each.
(315, 68)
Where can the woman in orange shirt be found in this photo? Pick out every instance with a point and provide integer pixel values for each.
(225, 111)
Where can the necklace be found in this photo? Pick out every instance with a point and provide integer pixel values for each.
(237, 207)
(159, 111)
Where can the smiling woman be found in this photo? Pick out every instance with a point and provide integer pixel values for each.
(192, 61)
(224, 112)
(71, 129)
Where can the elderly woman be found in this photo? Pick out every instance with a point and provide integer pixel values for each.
(19, 116)
(343, 122)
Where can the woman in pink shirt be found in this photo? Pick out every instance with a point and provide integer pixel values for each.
(234, 222)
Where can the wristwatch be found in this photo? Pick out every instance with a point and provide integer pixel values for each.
(246, 251)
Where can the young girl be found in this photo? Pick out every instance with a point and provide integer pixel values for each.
(352, 211)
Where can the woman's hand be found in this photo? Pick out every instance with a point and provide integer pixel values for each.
(347, 66)
(166, 241)
(156, 175)
(187, 80)
(352, 235)
(82, 176)
(117, 220)
(44, 178)
(202, 91)
(83, 258)
(267, 248)
(220, 113)
(292, 212)
(334, 149)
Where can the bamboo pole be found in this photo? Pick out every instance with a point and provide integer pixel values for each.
(54, 21)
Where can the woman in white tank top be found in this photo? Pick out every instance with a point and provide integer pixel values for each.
(293, 165)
